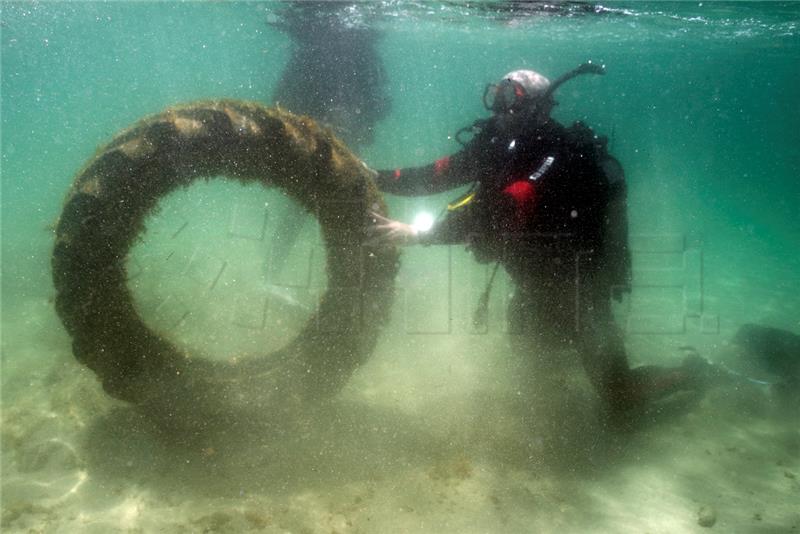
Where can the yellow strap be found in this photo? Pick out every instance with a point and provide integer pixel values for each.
(461, 203)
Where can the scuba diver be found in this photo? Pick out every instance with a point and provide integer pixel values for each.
(548, 203)
(335, 76)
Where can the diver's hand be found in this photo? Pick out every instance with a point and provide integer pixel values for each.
(390, 232)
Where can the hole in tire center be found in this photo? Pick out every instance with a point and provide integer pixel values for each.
(227, 271)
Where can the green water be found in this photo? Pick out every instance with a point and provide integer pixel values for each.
(700, 102)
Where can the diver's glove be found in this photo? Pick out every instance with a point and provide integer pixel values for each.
(390, 232)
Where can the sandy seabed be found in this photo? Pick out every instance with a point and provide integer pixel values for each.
(415, 443)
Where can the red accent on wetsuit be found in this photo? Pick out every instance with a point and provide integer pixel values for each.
(397, 174)
(524, 195)
(441, 165)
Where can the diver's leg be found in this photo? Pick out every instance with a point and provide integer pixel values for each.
(542, 309)
(602, 352)
(559, 404)
(536, 326)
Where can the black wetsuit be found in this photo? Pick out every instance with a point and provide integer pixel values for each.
(545, 189)
(549, 205)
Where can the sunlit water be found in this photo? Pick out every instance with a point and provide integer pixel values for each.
(440, 431)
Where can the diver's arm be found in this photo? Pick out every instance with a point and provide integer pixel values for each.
(444, 174)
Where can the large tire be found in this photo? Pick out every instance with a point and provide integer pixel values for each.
(105, 211)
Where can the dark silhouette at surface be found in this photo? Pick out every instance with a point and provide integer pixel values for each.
(335, 74)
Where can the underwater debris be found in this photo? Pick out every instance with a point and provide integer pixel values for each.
(104, 213)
